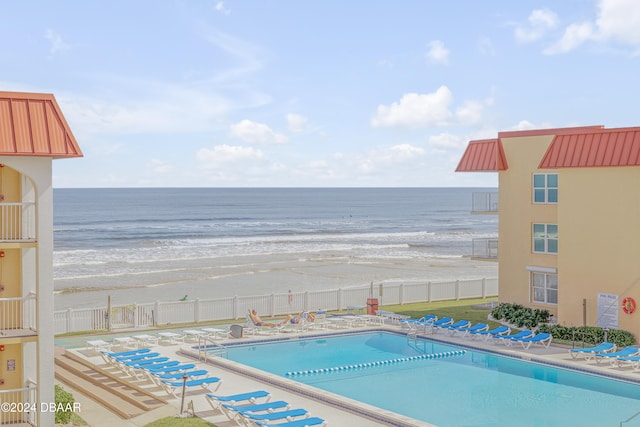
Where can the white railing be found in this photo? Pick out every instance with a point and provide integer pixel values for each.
(484, 249)
(162, 313)
(18, 315)
(17, 222)
(484, 202)
(19, 406)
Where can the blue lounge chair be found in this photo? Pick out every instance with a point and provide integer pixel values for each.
(457, 325)
(180, 375)
(543, 338)
(605, 347)
(619, 362)
(508, 339)
(495, 332)
(172, 387)
(478, 327)
(274, 416)
(625, 352)
(250, 397)
(440, 323)
(306, 422)
(413, 324)
(232, 411)
(169, 367)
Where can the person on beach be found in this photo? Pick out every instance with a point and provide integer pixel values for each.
(253, 315)
(184, 298)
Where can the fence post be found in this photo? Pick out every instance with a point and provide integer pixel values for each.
(401, 296)
(428, 291)
(235, 306)
(69, 322)
(196, 310)
(136, 313)
(484, 289)
(457, 290)
(339, 299)
(156, 318)
(272, 304)
(305, 303)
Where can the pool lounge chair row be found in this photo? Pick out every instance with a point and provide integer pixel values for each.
(607, 352)
(431, 324)
(162, 371)
(149, 340)
(255, 409)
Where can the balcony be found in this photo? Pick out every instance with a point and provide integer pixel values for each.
(484, 202)
(18, 222)
(23, 406)
(18, 316)
(485, 249)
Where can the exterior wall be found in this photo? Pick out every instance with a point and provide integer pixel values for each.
(12, 378)
(38, 365)
(517, 214)
(599, 241)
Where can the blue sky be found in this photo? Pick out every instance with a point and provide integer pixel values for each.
(293, 93)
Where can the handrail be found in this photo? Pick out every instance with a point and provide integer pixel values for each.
(583, 334)
(204, 351)
(629, 419)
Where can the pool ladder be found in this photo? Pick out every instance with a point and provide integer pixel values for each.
(205, 350)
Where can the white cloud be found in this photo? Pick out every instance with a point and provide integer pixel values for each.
(616, 20)
(540, 21)
(159, 166)
(296, 123)
(256, 133)
(447, 141)
(225, 154)
(57, 44)
(437, 53)
(524, 125)
(220, 7)
(416, 110)
(470, 113)
(574, 36)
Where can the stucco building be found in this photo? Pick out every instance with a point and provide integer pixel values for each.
(33, 132)
(568, 205)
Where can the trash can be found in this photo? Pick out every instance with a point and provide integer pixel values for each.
(372, 306)
(236, 331)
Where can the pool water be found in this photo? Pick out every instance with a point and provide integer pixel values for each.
(443, 384)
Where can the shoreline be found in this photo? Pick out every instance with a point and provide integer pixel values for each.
(259, 275)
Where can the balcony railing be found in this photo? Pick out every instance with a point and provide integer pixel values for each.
(19, 406)
(484, 202)
(17, 222)
(485, 249)
(18, 316)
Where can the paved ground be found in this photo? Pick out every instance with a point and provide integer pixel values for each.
(337, 416)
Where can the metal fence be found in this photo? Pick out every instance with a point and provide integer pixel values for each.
(161, 313)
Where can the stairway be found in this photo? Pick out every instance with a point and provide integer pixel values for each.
(126, 400)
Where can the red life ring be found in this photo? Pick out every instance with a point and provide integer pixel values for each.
(628, 305)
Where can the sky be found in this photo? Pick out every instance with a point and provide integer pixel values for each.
(334, 93)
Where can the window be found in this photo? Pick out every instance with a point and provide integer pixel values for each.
(545, 238)
(544, 287)
(545, 188)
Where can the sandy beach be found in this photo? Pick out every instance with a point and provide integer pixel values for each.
(208, 278)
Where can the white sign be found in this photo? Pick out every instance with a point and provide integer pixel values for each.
(608, 308)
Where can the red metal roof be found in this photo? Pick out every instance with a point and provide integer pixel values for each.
(485, 155)
(602, 148)
(32, 124)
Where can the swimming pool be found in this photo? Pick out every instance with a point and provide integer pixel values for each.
(442, 384)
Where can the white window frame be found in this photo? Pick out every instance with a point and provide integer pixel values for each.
(545, 238)
(549, 276)
(546, 188)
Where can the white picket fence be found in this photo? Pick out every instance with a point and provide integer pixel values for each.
(161, 313)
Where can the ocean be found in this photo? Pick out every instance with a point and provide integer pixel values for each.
(147, 244)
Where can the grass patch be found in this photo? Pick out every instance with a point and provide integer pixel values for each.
(179, 422)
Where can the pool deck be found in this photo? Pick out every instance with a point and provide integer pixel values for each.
(338, 411)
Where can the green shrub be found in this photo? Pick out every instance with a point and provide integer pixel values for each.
(520, 316)
(66, 399)
(589, 334)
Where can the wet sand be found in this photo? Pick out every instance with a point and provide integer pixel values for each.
(208, 278)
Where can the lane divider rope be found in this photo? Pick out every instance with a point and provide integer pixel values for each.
(344, 368)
